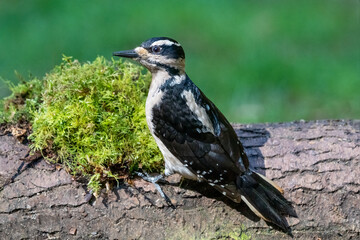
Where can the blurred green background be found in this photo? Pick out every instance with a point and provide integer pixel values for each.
(259, 61)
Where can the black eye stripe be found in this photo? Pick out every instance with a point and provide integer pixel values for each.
(173, 51)
(169, 51)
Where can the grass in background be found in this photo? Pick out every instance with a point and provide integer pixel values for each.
(258, 61)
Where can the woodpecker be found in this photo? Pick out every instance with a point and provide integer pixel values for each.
(195, 138)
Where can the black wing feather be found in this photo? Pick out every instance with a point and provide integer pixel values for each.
(186, 137)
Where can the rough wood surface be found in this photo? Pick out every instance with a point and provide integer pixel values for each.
(317, 164)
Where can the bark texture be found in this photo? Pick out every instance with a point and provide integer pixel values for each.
(316, 163)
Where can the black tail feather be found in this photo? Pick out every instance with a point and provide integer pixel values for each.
(280, 203)
(264, 199)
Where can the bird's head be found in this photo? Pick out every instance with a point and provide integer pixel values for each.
(158, 54)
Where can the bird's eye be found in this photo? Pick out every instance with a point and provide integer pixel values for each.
(156, 49)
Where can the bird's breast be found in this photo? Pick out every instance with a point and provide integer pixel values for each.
(153, 99)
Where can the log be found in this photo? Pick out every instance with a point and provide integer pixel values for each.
(317, 163)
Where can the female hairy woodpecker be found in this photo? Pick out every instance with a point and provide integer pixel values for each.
(195, 138)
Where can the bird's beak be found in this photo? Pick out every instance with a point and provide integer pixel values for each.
(126, 53)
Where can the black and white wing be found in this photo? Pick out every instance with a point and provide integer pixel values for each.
(197, 134)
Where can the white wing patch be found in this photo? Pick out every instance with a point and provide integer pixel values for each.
(199, 111)
(164, 42)
(177, 80)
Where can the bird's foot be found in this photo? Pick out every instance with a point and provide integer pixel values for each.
(154, 180)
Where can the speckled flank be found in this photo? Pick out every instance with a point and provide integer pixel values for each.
(172, 164)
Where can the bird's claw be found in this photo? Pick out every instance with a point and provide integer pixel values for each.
(149, 178)
(154, 180)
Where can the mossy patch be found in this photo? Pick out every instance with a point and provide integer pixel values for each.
(24, 100)
(90, 117)
(235, 234)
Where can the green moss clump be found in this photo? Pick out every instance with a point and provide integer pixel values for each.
(91, 117)
(235, 234)
(22, 103)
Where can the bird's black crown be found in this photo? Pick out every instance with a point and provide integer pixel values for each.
(169, 47)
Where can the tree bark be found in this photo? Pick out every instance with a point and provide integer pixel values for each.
(316, 163)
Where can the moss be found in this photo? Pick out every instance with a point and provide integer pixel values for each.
(21, 104)
(91, 118)
(237, 234)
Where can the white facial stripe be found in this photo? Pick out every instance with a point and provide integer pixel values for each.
(164, 42)
(199, 111)
(162, 59)
(175, 63)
